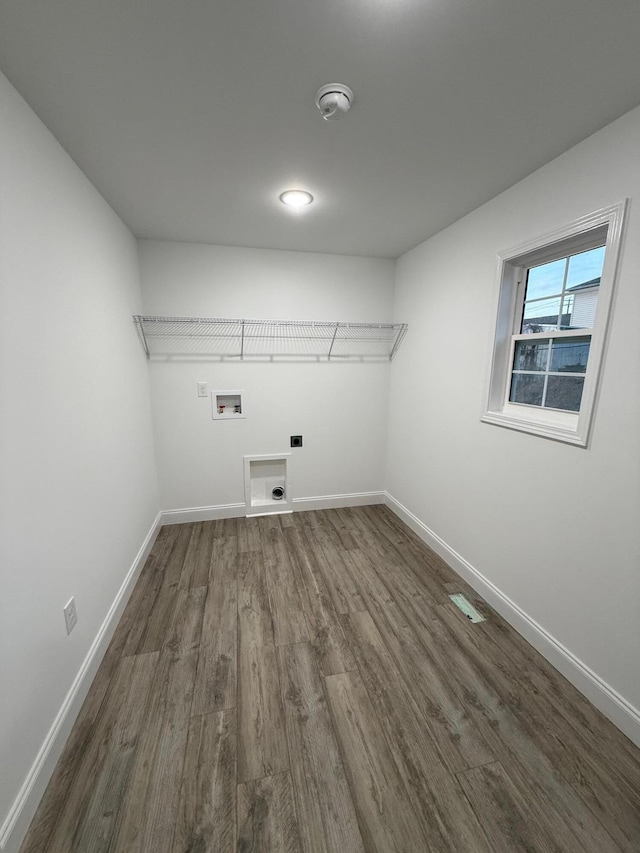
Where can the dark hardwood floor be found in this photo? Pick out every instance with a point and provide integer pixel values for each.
(303, 683)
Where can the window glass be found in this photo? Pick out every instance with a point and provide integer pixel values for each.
(527, 388)
(575, 281)
(545, 280)
(570, 355)
(563, 294)
(583, 284)
(566, 318)
(531, 356)
(543, 315)
(585, 267)
(564, 392)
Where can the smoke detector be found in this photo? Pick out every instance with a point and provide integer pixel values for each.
(334, 101)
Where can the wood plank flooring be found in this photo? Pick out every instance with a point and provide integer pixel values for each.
(302, 684)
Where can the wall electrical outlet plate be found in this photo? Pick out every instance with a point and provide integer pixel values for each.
(296, 441)
(70, 615)
(203, 391)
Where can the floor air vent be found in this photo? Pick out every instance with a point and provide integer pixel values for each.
(467, 608)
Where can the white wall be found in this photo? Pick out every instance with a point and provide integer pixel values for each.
(339, 409)
(553, 527)
(78, 490)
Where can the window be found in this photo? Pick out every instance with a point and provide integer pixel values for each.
(551, 349)
(553, 307)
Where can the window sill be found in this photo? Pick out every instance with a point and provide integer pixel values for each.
(563, 428)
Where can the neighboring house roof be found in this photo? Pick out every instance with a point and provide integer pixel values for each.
(593, 283)
(547, 321)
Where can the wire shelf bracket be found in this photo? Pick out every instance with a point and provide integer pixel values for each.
(217, 338)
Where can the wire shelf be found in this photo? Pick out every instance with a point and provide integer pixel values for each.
(218, 338)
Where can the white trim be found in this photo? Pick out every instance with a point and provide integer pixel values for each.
(201, 513)
(614, 706)
(17, 821)
(548, 431)
(338, 501)
(213, 513)
(268, 512)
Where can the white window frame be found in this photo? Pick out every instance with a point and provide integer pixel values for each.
(603, 227)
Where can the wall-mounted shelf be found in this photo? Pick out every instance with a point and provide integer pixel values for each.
(220, 339)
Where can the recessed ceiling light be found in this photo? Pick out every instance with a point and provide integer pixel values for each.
(296, 198)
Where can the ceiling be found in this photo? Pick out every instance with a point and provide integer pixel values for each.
(191, 116)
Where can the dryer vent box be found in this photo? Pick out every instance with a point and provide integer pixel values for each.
(267, 484)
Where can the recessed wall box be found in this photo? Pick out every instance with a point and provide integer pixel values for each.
(267, 484)
(227, 405)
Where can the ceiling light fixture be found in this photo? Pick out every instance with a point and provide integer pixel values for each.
(296, 198)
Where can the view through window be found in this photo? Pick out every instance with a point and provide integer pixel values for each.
(552, 340)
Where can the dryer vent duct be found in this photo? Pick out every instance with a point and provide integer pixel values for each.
(277, 493)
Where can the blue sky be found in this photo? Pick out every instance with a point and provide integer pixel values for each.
(546, 280)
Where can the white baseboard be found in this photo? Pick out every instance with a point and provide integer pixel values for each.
(614, 706)
(17, 821)
(338, 501)
(202, 513)
(213, 513)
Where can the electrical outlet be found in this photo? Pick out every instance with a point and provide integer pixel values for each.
(203, 391)
(70, 615)
(296, 441)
